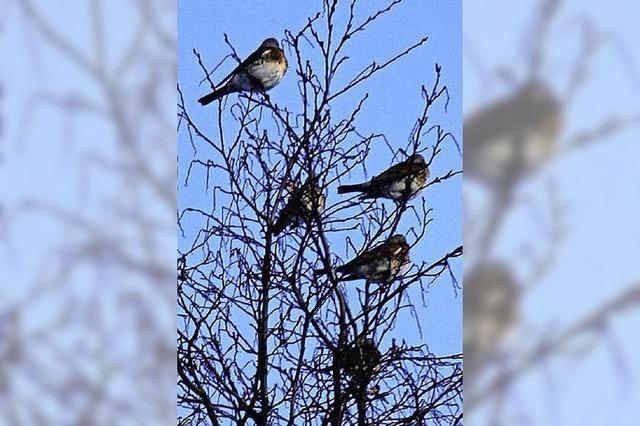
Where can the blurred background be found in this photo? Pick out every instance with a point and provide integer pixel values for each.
(551, 122)
(87, 212)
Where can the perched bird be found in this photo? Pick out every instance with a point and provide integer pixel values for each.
(261, 71)
(361, 359)
(302, 203)
(400, 181)
(511, 137)
(491, 297)
(380, 264)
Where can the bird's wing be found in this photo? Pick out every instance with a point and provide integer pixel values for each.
(261, 51)
(392, 174)
(369, 256)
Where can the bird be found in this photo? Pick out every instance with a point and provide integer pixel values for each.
(399, 182)
(491, 296)
(300, 207)
(513, 136)
(261, 71)
(380, 264)
(360, 359)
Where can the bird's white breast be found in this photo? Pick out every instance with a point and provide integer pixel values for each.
(267, 73)
(398, 188)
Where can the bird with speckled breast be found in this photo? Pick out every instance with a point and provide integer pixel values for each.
(304, 202)
(380, 264)
(260, 72)
(398, 182)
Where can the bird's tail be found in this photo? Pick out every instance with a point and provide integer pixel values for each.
(318, 272)
(343, 268)
(321, 271)
(216, 94)
(360, 187)
(348, 277)
(344, 274)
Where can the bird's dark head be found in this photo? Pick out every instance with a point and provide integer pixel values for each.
(416, 159)
(398, 239)
(271, 42)
(365, 342)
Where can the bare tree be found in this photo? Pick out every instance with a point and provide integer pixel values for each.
(268, 332)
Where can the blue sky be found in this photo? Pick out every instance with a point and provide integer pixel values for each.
(391, 109)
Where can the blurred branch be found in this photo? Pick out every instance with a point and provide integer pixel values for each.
(594, 322)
